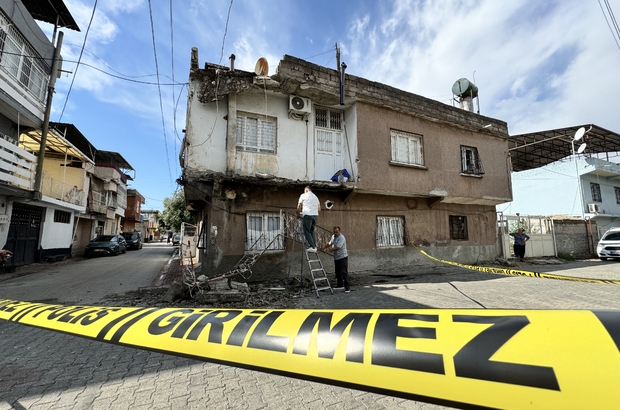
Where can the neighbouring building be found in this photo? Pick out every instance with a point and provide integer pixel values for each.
(131, 221)
(150, 224)
(40, 189)
(573, 182)
(391, 168)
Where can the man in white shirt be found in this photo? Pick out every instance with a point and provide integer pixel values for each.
(338, 246)
(309, 207)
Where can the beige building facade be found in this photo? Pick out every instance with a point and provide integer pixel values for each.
(420, 172)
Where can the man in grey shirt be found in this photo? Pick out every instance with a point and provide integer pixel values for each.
(338, 246)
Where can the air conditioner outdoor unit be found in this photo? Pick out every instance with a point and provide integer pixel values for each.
(594, 208)
(299, 105)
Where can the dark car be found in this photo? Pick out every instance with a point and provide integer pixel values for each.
(176, 239)
(106, 245)
(134, 240)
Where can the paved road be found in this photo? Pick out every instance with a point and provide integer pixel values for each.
(40, 369)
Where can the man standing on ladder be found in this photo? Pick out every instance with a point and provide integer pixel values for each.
(309, 207)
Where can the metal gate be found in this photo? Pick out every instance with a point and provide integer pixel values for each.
(538, 228)
(23, 237)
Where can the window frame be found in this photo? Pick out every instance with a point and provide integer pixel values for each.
(394, 239)
(252, 239)
(595, 191)
(468, 167)
(241, 138)
(329, 120)
(62, 217)
(460, 234)
(419, 149)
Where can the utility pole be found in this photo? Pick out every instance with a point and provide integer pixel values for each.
(37, 194)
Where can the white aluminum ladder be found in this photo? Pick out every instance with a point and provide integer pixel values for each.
(315, 265)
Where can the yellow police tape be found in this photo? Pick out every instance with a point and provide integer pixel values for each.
(463, 358)
(518, 272)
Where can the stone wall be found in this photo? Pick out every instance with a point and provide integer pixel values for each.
(576, 237)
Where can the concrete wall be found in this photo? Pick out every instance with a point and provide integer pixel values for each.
(207, 128)
(424, 226)
(442, 158)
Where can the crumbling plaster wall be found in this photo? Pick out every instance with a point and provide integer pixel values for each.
(425, 227)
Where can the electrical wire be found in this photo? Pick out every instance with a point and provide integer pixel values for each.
(161, 103)
(174, 112)
(616, 33)
(225, 31)
(92, 16)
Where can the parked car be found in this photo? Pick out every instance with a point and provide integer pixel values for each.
(134, 239)
(609, 245)
(106, 245)
(176, 239)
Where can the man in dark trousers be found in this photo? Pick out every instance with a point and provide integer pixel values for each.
(338, 247)
(309, 207)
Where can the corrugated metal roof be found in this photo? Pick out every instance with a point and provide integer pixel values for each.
(537, 149)
(51, 11)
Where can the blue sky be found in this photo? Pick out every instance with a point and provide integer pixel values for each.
(538, 65)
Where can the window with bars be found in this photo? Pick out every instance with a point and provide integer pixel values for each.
(256, 133)
(458, 227)
(390, 231)
(20, 60)
(406, 148)
(62, 216)
(596, 192)
(328, 118)
(262, 228)
(470, 161)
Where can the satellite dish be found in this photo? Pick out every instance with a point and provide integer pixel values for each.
(298, 103)
(262, 67)
(579, 134)
(581, 148)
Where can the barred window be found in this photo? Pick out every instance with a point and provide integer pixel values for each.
(62, 217)
(596, 192)
(406, 148)
(390, 231)
(256, 133)
(470, 161)
(20, 60)
(458, 227)
(328, 118)
(262, 228)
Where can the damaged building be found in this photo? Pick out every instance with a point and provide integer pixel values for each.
(391, 168)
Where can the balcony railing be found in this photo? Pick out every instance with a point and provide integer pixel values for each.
(62, 191)
(17, 166)
(97, 202)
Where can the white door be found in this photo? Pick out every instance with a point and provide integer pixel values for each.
(328, 154)
(328, 142)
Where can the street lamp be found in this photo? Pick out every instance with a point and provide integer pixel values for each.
(578, 136)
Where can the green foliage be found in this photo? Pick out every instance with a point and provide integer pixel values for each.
(175, 212)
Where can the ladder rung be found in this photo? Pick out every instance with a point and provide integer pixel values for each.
(323, 288)
(318, 269)
(319, 279)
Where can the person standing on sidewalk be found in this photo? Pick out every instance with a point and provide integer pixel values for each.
(338, 247)
(520, 239)
(309, 207)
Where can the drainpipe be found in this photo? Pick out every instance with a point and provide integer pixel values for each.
(37, 194)
(343, 67)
